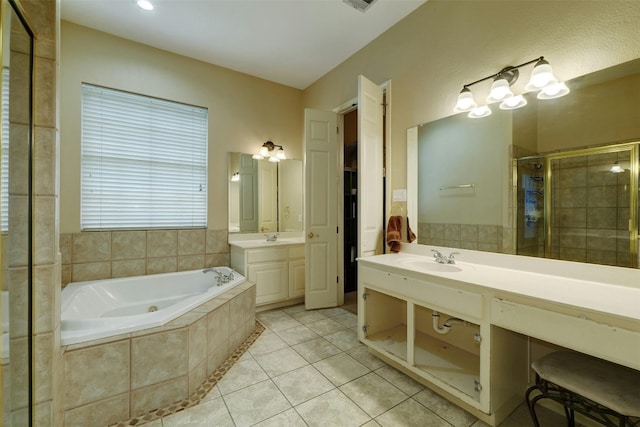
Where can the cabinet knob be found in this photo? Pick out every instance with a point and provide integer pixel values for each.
(311, 235)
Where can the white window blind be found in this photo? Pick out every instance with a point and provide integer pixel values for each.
(4, 155)
(144, 161)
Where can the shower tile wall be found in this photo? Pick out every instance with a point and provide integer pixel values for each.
(590, 210)
(488, 238)
(110, 254)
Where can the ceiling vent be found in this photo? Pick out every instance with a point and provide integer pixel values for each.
(361, 5)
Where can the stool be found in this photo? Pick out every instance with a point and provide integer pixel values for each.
(600, 390)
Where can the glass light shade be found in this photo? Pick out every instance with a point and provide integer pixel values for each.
(145, 4)
(616, 168)
(465, 101)
(513, 102)
(541, 76)
(499, 91)
(264, 151)
(553, 91)
(281, 155)
(274, 159)
(479, 112)
(235, 177)
(257, 156)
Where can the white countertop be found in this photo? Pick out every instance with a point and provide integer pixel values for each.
(619, 296)
(263, 243)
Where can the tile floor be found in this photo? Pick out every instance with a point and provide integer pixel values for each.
(309, 369)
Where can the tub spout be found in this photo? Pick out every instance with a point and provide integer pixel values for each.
(221, 278)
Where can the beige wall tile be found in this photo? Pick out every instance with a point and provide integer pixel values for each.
(162, 265)
(91, 246)
(45, 230)
(159, 395)
(128, 244)
(104, 412)
(18, 238)
(19, 100)
(66, 247)
(159, 357)
(198, 343)
(18, 159)
(469, 232)
(44, 356)
(217, 260)
(45, 93)
(236, 313)
(488, 234)
(44, 159)
(96, 373)
(197, 376)
(128, 268)
(217, 241)
(452, 231)
(43, 414)
(162, 243)
(218, 327)
(44, 298)
(91, 271)
(191, 242)
(18, 299)
(219, 354)
(65, 277)
(19, 381)
(190, 262)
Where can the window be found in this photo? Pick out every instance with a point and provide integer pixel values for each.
(144, 162)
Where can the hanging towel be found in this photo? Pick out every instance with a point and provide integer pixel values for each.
(411, 236)
(394, 229)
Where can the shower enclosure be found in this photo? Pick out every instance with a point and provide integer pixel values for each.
(580, 205)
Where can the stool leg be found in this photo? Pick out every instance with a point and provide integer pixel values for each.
(568, 412)
(531, 404)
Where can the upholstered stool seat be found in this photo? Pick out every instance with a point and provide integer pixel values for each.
(604, 391)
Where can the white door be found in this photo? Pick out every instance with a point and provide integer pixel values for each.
(267, 196)
(370, 167)
(321, 216)
(248, 216)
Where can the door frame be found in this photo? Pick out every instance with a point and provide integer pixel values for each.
(341, 110)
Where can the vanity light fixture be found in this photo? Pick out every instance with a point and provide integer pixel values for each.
(542, 79)
(144, 4)
(235, 177)
(267, 151)
(616, 168)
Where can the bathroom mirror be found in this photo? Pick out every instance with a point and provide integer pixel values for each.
(15, 215)
(470, 188)
(264, 196)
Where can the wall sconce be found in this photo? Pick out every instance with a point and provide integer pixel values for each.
(616, 168)
(235, 177)
(266, 151)
(542, 79)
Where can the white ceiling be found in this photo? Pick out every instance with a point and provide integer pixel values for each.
(292, 42)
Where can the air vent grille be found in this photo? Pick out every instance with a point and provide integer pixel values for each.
(361, 5)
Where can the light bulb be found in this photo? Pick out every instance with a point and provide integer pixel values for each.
(513, 102)
(541, 76)
(479, 112)
(553, 91)
(465, 101)
(274, 159)
(499, 91)
(264, 151)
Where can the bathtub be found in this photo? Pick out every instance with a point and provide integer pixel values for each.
(104, 308)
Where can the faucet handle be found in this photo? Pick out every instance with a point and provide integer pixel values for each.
(436, 253)
(451, 259)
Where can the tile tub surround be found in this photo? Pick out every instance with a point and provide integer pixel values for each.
(94, 255)
(120, 377)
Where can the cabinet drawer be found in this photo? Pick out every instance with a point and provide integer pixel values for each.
(262, 255)
(296, 252)
(427, 293)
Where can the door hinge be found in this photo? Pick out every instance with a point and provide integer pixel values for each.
(384, 109)
(337, 129)
(364, 328)
(337, 230)
(476, 385)
(365, 295)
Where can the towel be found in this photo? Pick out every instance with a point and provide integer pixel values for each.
(411, 236)
(394, 228)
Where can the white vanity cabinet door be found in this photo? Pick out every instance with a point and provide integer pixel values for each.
(296, 271)
(271, 279)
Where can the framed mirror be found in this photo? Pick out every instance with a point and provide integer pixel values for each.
(539, 180)
(264, 196)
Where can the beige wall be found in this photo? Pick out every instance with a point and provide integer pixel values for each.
(244, 111)
(429, 55)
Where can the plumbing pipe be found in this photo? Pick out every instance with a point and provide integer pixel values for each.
(446, 327)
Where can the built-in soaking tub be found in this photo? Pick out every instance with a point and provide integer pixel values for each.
(123, 358)
(102, 308)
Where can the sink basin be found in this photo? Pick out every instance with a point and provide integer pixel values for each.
(428, 265)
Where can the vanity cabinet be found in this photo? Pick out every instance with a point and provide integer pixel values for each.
(396, 321)
(278, 272)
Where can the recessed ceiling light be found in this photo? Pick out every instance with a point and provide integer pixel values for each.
(145, 4)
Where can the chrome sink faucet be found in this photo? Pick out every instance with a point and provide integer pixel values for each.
(441, 259)
(271, 237)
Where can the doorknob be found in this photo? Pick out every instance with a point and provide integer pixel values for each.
(311, 235)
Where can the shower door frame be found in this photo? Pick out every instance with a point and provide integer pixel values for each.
(634, 169)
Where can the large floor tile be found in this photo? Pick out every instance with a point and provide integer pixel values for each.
(209, 413)
(307, 317)
(456, 416)
(280, 323)
(266, 343)
(316, 350)
(341, 368)
(288, 418)
(294, 309)
(242, 374)
(255, 403)
(410, 414)
(362, 355)
(332, 312)
(348, 320)
(332, 409)
(400, 380)
(373, 394)
(345, 340)
(302, 384)
(325, 327)
(297, 335)
(280, 361)
(269, 315)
